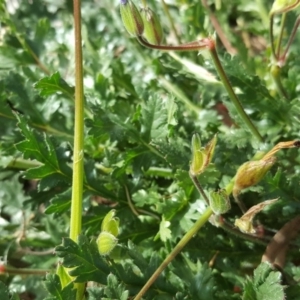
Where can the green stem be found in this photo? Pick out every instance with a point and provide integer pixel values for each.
(209, 44)
(24, 271)
(236, 102)
(167, 12)
(272, 37)
(283, 19)
(291, 39)
(186, 238)
(77, 183)
(199, 187)
(275, 72)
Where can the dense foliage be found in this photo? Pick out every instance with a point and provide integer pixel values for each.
(142, 107)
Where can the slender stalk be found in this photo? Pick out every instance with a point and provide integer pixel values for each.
(130, 204)
(167, 12)
(24, 271)
(192, 46)
(283, 19)
(199, 187)
(272, 37)
(209, 44)
(186, 238)
(240, 203)
(236, 102)
(219, 30)
(77, 182)
(291, 39)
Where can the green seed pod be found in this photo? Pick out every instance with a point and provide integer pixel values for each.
(153, 32)
(201, 157)
(283, 6)
(131, 18)
(219, 202)
(197, 155)
(251, 172)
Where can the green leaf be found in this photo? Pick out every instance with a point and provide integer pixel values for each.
(44, 150)
(54, 287)
(266, 284)
(106, 125)
(84, 259)
(154, 119)
(54, 84)
(114, 289)
(202, 285)
(4, 291)
(164, 231)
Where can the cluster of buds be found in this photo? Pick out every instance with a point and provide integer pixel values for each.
(143, 23)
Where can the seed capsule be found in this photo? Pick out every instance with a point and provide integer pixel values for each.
(283, 6)
(131, 18)
(201, 157)
(219, 202)
(153, 32)
(251, 172)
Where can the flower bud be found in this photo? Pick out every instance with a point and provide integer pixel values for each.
(110, 223)
(251, 172)
(219, 202)
(131, 18)
(106, 242)
(201, 157)
(153, 32)
(283, 6)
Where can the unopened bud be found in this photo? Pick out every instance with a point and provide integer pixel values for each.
(106, 242)
(201, 157)
(219, 202)
(283, 6)
(153, 32)
(131, 18)
(251, 172)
